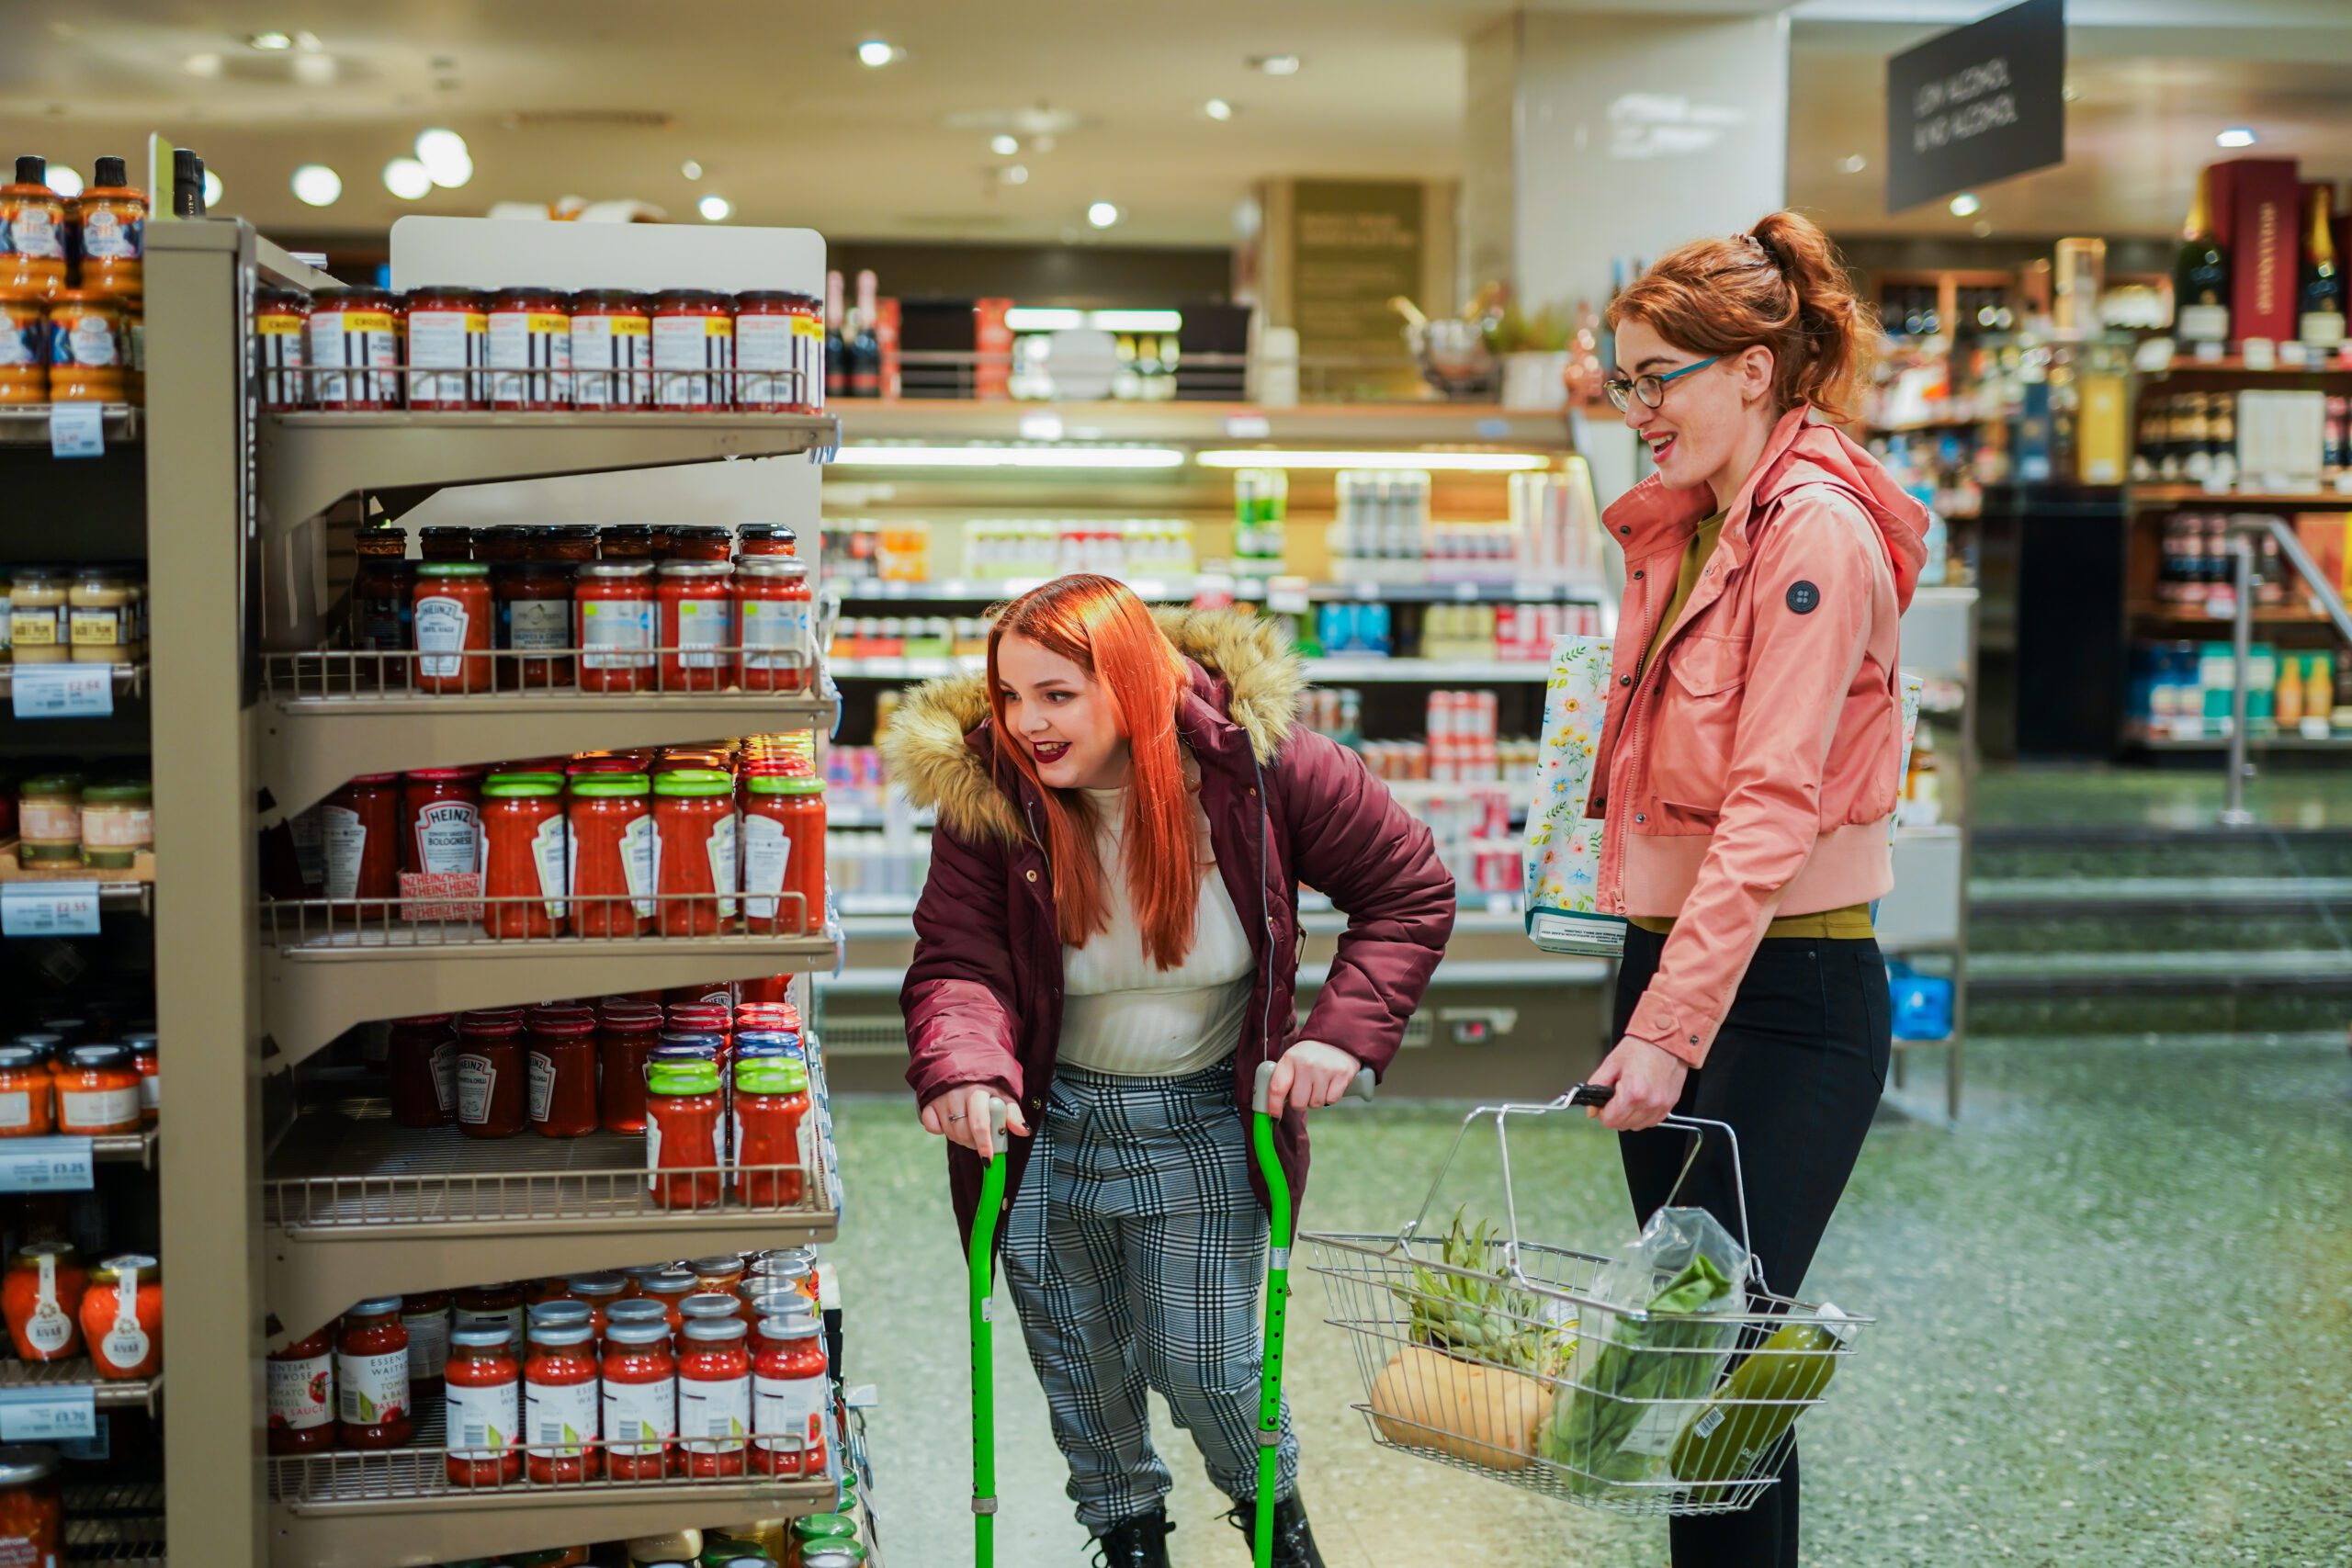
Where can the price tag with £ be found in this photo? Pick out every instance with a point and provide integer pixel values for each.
(49, 909)
(62, 691)
(48, 1415)
(44, 1165)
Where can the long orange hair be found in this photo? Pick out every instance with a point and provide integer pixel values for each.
(1099, 625)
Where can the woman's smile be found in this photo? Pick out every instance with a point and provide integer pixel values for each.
(1048, 753)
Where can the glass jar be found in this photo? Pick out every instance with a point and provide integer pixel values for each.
(769, 381)
(693, 350)
(597, 1292)
(41, 1299)
(88, 353)
(496, 1306)
(614, 606)
(625, 541)
(301, 1394)
(777, 614)
(525, 848)
(32, 1506)
(118, 824)
(24, 345)
(640, 1400)
(718, 1274)
(148, 1059)
(574, 543)
(766, 539)
(490, 1076)
(612, 854)
(714, 1396)
(791, 1387)
(484, 1411)
(373, 1408)
(360, 823)
(694, 809)
(626, 1036)
(448, 345)
(783, 854)
(122, 1317)
(501, 545)
(535, 618)
(383, 586)
(454, 615)
(563, 1075)
(530, 350)
(281, 323)
(427, 1318)
(26, 1093)
(354, 342)
(39, 629)
(682, 1133)
(560, 1405)
(421, 1055)
(697, 621)
(49, 821)
(612, 349)
(699, 542)
(98, 1092)
(446, 542)
(101, 621)
(771, 1100)
(441, 821)
(669, 1288)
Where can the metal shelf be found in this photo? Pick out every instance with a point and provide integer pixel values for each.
(311, 460)
(397, 1507)
(29, 426)
(119, 1524)
(124, 1147)
(1370, 425)
(1322, 671)
(355, 1205)
(127, 680)
(106, 1393)
(976, 590)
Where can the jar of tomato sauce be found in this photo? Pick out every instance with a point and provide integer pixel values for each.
(625, 541)
(373, 1409)
(448, 345)
(693, 810)
(484, 1408)
(693, 350)
(354, 346)
(563, 1075)
(766, 539)
(530, 350)
(146, 1055)
(791, 1386)
(98, 1092)
(490, 1075)
(612, 854)
(383, 589)
(27, 1091)
(669, 1289)
(698, 622)
(574, 543)
(281, 323)
(560, 1405)
(446, 542)
(777, 614)
(714, 1395)
(301, 1394)
(359, 826)
(421, 1054)
(454, 616)
(640, 1403)
(717, 1274)
(41, 1299)
(496, 1306)
(767, 382)
(699, 541)
(122, 1317)
(559, 1312)
(32, 1507)
(612, 349)
(615, 615)
(534, 620)
(597, 1291)
(784, 855)
(525, 851)
(441, 821)
(771, 1100)
(682, 1133)
(626, 1036)
(428, 1320)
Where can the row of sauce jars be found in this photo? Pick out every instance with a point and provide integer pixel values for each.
(541, 350)
(64, 819)
(85, 1092)
(95, 241)
(71, 346)
(83, 614)
(57, 1309)
(719, 1127)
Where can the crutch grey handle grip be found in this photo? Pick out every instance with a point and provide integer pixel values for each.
(1359, 1089)
(998, 1111)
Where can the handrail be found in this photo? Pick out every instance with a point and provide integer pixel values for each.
(2242, 529)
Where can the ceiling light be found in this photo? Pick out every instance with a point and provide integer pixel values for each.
(211, 189)
(1103, 214)
(1853, 163)
(64, 180)
(716, 209)
(2237, 136)
(315, 185)
(1454, 462)
(691, 169)
(876, 457)
(445, 156)
(1014, 174)
(1276, 64)
(1136, 320)
(408, 179)
(204, 64)
(1218, 108)
(272, 41)
(1005, 146)
(1042, 319)
(875, 52)
(1965, 204)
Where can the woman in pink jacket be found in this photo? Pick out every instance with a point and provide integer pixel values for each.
(1748, 763)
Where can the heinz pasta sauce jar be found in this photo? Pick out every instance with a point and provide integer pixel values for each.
(526, 848)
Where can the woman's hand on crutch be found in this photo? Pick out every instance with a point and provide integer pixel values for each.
(1311, 1075)
(961, 1116)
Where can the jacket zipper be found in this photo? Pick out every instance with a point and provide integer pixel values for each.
(1265, 914)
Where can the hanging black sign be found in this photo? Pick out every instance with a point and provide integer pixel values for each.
(1977, 104)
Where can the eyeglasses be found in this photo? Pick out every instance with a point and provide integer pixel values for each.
(1651, 389)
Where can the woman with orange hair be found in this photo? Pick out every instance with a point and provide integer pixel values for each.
(1108, 942)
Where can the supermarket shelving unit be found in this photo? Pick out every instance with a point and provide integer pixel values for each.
(300, 1219)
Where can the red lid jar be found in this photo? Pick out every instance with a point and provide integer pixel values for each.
(422, 1056)
(441, 821)
(766, 539)
(562, 1049)
(697, 624)
(699, 541)
(491, 1074)
(626, 1036)
(693, 350)
(612, 604)
(530, 350)
(448, 339)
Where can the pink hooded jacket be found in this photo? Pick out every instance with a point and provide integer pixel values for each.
(1750, 771)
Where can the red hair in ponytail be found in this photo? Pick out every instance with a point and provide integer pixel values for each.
(1099, 625)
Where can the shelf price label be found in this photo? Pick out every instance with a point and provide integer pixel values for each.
(62, 691)
(45, 1165)
(77, 430)
(48, 1415)
(49, 909)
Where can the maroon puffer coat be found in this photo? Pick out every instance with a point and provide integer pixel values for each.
(1285, 807)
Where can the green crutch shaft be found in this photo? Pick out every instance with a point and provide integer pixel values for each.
(981, 1261)
(1270, 1385)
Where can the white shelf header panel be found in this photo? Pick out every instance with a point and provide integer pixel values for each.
(505, 252)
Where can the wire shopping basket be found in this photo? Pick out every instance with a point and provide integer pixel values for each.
(1502, 1356)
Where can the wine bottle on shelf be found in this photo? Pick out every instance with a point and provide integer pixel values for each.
(2319, 297)
(2195, 430)
(836, 346)
(187, 184)
(2221, 439)
(865, 348)
(2201, 274)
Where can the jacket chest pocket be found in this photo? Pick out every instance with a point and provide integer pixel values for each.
(1697, 719)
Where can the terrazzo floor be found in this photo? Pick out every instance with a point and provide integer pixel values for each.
(2115, 1328)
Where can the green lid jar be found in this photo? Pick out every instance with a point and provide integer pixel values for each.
(780, 784)
(694, 782)
(452, 568)
(770, 1074)
(611, 787)
(117, 823)
(513, 786)
(810, 1528)
(681, 1078)
(49, 821)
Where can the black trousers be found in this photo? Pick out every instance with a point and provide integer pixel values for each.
(1796, 1071)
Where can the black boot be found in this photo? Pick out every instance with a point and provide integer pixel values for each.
(1293, 1542)
(1138, 1542)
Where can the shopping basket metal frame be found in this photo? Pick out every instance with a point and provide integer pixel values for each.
(1384, 1291)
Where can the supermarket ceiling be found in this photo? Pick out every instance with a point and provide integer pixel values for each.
(1088, 101)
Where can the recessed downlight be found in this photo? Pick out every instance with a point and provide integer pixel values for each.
(876, 52)
(270, 42)
(2237, 136)
(1965, 205)
(1852, 163)
(690, 169)
(445, 156)
(1004, 145)
(408, 179)
(65, 180)
(715, 208)
(1218, 108)
(1277, 64)
(1014, 174)
(1103, 214)
(315, 185)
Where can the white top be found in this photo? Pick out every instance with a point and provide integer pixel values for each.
(1125, 1015)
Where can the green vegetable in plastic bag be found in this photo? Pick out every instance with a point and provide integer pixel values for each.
(1642, 1360)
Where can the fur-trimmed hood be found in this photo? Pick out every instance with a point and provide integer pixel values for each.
(929, 749)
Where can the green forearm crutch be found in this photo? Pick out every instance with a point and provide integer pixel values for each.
(981, 1262)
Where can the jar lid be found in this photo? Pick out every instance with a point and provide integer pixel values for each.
(44, 1041)
(551, 1021)
(521, 787)
(602, 1283)
(452, 568)
(609, 297)
(375, 778)
(715, 1329)
(34, 1252)
(650, 1331)
(110, 1271)
(690, 296)
(131, 794)
(678, 1044)
(647, 1271)
(791, 1327)
(694, 782)
(718, 1263)
(138, 1038)
(824, 1527)
(611, 787)
(637, 1309)
(784, 1266)
(481, 1338)
(615, 569)
(522, 295)
(15, 1057)
(782, 783)
(445, 291)
(561, 1311)
(681, 1076)
(770, 1299)
(102, 569)
(22, 1464)
(766, 531)
(672, 1281)
(841, 1553)
(357, 294)
(561, 1333)
(447, 531)
(374, 1306)
(420, 1020)
(696, 570)
(51, 784)
(769, 1075)
(490, 1023)
(698, 531)
(97, 1056)
(709, 1303)
(442, 775)
(771, 566)
(769, 1039)
(765, 297)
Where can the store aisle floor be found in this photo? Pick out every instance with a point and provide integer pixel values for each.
(2116, 1329)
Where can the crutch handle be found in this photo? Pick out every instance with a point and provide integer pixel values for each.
(1359, 1089)
(1592, 1094)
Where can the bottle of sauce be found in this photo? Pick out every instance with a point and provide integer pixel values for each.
(563, 1074)
(527, 848)
(441, 821)
(614, 608)
(41, 1299)
(453, 618)
(777, 613)
(534, 620)
(98, 1092)
(791, 1386)
(697, 624)
(32, 231)
(484, 1410)
(640, 1400)
(427, 1316)
(682, 1133)
(490, 1076)
(360, 823)
(783, 854)
(32, 1507)
(714, 1395)
(626, 1036)
(421, 1055)
(560, 1404)
(693, 810)
(114, 231)
(771, 1100)
(371, 1376)
(612, 832)
(301, 1394)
